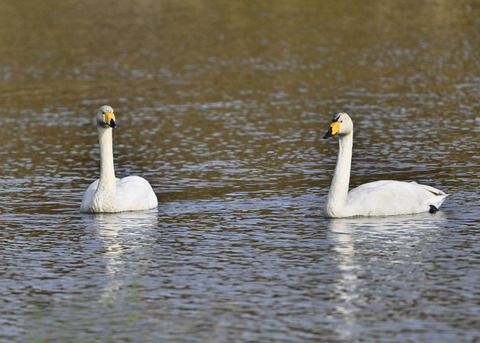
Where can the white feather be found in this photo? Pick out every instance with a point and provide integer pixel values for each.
(379, 198)
(111, 194)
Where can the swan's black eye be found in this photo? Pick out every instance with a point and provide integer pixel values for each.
(341, 121)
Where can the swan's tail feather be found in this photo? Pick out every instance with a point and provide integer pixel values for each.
(435, 202)
(432, 190)
(438, 197)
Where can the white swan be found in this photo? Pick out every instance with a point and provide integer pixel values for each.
(379, 198)
(110, 194)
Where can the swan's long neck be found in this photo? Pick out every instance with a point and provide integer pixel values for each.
(337, 196)
(105, 196)
(107, 171)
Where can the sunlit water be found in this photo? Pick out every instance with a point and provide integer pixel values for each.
(222, 108)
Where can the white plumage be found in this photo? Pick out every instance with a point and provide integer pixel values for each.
(111, 194)
(379, 198)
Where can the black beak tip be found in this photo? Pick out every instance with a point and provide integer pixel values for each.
(112, 124)
(328, 134)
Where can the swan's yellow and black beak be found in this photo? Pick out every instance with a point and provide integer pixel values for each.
(110, 120)
(333, 130)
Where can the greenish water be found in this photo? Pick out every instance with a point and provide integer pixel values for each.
(222, 107)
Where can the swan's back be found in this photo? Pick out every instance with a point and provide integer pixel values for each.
(389, 197)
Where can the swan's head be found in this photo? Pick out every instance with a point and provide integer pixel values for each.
(106, 118)
(341, 125)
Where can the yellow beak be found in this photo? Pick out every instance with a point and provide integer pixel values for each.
(333, 130)
(110, 119)
(335, 127)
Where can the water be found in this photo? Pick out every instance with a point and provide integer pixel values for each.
(222, 108)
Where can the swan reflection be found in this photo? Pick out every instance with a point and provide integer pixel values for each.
(125, 237)
(357, 246)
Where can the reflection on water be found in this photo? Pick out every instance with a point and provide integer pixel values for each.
(221, 108)
(124, 235)
(359, 244)
(388, 268)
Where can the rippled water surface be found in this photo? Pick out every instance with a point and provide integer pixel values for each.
(222, 106)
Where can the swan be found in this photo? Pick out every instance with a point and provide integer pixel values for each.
(379, 198)
(109, 194)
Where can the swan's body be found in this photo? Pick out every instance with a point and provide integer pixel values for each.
(380, 198)
(110, 194)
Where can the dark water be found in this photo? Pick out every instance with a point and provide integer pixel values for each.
(222, 107)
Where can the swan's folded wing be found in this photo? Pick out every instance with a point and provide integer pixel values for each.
(88, 196)
(135, 193)
(389, 197)
(430, 189)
